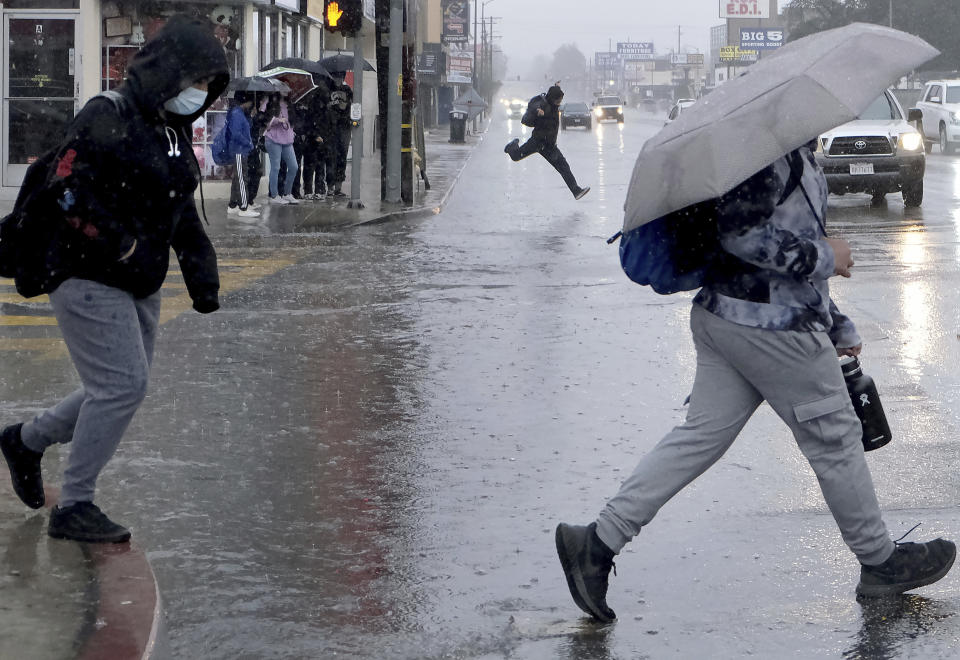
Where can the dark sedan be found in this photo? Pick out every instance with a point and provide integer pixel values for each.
(575, 114)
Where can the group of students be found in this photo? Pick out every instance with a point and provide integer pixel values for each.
(306, 140)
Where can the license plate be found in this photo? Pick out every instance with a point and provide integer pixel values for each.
(861, 168)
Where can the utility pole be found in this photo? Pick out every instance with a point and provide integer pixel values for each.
(356, 166)
(393, 102)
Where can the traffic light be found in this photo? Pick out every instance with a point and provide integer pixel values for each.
(343, 16)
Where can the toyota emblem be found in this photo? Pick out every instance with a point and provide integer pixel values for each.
(860, 144)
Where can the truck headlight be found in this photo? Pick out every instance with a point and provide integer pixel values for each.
(599, 112)
(911, 141)
(619, 109)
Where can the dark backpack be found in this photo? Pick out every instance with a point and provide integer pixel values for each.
(673, 253)
(530, 116)
(219, 150)
(25, 233)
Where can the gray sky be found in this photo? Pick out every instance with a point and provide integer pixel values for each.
(538, 27)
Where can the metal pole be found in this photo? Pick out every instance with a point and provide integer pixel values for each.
(356, 166)
(393, 102)
(891, 13)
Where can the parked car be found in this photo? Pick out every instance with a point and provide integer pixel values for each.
(575, 114)
(677, 108)
(878, 153)
(940, 104)
(608, 108)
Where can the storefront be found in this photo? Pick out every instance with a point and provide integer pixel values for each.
(56, 54)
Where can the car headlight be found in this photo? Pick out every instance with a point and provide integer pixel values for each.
(619, 109)
(911, 141)
(599, 112)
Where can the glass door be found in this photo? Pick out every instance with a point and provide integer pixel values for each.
(40, 88)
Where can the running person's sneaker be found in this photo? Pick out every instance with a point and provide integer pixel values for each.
(512, 145)
(24, 464)
(910, 566)
(85, 522)
(586, 564)
(581, 192)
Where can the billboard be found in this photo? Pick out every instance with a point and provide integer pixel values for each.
(456, 21)
(744, 8)
(631, 51)
(606, 60)
(460, 68)
(761, 38)
(737, 54)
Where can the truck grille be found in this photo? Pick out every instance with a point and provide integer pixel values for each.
(861, 146)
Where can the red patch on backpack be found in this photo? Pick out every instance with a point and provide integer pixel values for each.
(65, 164)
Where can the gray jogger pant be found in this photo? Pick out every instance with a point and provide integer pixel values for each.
(110, 336)
(738, 367)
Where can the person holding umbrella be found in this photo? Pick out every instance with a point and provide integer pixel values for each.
(279, 137)
(764, 326)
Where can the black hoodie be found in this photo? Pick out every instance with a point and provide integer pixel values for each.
(126, 177)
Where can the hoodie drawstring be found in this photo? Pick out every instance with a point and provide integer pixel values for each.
(174, 142)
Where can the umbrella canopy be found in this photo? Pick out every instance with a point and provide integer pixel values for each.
(341, 63)
(298, 81)
(471, 103)
(301, 63)
(256, 84)
(782, 102)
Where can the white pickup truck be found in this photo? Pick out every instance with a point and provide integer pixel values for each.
(940, 104)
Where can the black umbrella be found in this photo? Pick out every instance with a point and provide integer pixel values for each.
(310, 66)
(256, 84)
(341, 63)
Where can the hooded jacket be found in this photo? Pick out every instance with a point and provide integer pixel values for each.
(125, 178)
(548, 126)
(772, 230)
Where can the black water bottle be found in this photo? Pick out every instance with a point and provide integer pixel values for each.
(866, 401)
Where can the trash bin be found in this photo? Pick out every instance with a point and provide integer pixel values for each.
(458, 126)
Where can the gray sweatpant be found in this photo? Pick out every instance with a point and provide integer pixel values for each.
(110, 336)
(738, 367)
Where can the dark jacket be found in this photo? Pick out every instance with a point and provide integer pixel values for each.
(548, 126)
(126, 179)
(239, 141)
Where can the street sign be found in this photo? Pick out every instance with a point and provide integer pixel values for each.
(689, 59)
(744, 8)
(737, 54)
(761, 38)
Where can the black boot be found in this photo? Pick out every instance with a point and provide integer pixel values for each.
(512, 147)
(910, 566)
(24, 464)
(86, 523)
(586, 563)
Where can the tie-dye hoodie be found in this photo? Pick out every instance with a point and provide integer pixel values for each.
(773, 226)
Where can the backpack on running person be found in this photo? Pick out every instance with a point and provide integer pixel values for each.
(530, 116)
(26, 232)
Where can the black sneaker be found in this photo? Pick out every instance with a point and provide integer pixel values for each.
(581, 192)
(86, 523)
(910, 566)
(511, 145)
(24, 467)
(586, 563)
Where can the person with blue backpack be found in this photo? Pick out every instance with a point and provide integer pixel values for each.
(237, 144)
(764, 329)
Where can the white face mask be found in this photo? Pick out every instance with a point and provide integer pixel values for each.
(186, 102)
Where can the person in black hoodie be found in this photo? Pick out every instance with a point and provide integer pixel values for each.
(317, 130)
(544, 139)
(124, 178)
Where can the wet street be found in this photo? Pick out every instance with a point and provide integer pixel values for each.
(365, 453)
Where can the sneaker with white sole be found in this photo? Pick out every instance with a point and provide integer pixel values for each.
(291, 199)
(279, 200)
(233, 210)
(255, 206)
(249, 213)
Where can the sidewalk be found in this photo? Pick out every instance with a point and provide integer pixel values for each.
(65, 600)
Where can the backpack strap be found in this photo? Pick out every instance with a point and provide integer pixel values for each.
(118, 100)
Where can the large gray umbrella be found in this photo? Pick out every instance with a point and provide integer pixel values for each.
(471, 103)
(782, 102)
